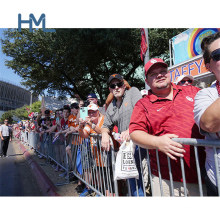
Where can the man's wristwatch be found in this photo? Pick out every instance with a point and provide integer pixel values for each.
(93, 126)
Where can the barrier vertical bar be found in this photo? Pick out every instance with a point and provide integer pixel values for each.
(139, 152)
(149, 172)
(217, 171)
(198, 171)
(159, 173)
(171, 177)
(183, 175)
(113, 166)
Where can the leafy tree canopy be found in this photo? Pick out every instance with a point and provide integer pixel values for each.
(79, 61)
(22, 113)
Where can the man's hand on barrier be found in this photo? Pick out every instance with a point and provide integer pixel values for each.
(82, 122)
(57, 134)
(171, 148)
(125, 136)
(67, 133)
(105, 142)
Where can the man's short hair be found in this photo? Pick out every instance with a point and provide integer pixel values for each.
(115, 76)
(47, 112)
(66, 107)
(74, 105)
(205, 46)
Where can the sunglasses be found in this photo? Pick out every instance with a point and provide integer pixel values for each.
(184, 81)
(6, 121)
(215, 55)
(113, 86)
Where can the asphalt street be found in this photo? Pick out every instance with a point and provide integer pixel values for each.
(16, 178)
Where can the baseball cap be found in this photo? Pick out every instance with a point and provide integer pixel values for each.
(92, 95)
(93, 107)
(152, 62)
(180, 78)
(74, 105)
(115, 76)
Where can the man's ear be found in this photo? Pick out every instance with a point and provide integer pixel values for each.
(146, 81)
(208, 67)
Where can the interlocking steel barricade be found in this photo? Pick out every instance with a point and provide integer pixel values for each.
(85, 158)
(91, 165)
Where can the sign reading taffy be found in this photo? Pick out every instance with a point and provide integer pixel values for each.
(193, 67)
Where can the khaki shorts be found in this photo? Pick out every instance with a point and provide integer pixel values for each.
(191, 188)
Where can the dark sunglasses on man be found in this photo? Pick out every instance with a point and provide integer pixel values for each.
(215, 55)
(184, 81)
(113, 85)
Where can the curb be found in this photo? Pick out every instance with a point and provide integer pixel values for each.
(46, 185)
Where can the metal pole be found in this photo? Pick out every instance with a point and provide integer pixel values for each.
(170, 50)
(147, 56)
(31, 101)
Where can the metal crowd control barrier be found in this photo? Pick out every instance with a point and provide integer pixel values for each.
(91, 165)
(81, 156)
(195, 143)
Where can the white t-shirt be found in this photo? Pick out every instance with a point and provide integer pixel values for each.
(203, 99)
(5, 130)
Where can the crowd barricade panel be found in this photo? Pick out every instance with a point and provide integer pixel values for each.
(95, 167)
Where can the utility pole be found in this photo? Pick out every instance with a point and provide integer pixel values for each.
(31, 101)
(147, 56)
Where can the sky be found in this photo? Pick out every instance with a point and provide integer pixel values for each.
(7, 74)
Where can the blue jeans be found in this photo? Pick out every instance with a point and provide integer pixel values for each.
(139, 181)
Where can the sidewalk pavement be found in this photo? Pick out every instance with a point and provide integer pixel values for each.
(46, 185)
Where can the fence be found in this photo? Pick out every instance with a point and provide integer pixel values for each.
(95, 167)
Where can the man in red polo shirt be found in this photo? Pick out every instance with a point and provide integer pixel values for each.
(166, 113)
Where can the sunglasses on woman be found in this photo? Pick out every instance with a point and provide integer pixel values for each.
(113, 85)
(184, 81)
(215, 55)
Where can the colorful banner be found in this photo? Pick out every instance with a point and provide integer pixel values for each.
(187, 44)
(143, 47)
(193, 67)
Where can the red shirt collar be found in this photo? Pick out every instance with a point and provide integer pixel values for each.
(154, 98)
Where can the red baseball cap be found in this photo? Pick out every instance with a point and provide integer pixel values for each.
(152, 62)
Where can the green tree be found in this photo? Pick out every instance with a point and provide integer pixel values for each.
(79, 61)
(22, 112)
(35, 107)
(159, 41)
(7, 115)
(73, 61)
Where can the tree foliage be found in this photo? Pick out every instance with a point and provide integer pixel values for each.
(79, 61)
(7, 115)
(22, 112)
(159, 41)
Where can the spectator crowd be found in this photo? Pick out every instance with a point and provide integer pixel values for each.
(151, 119)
